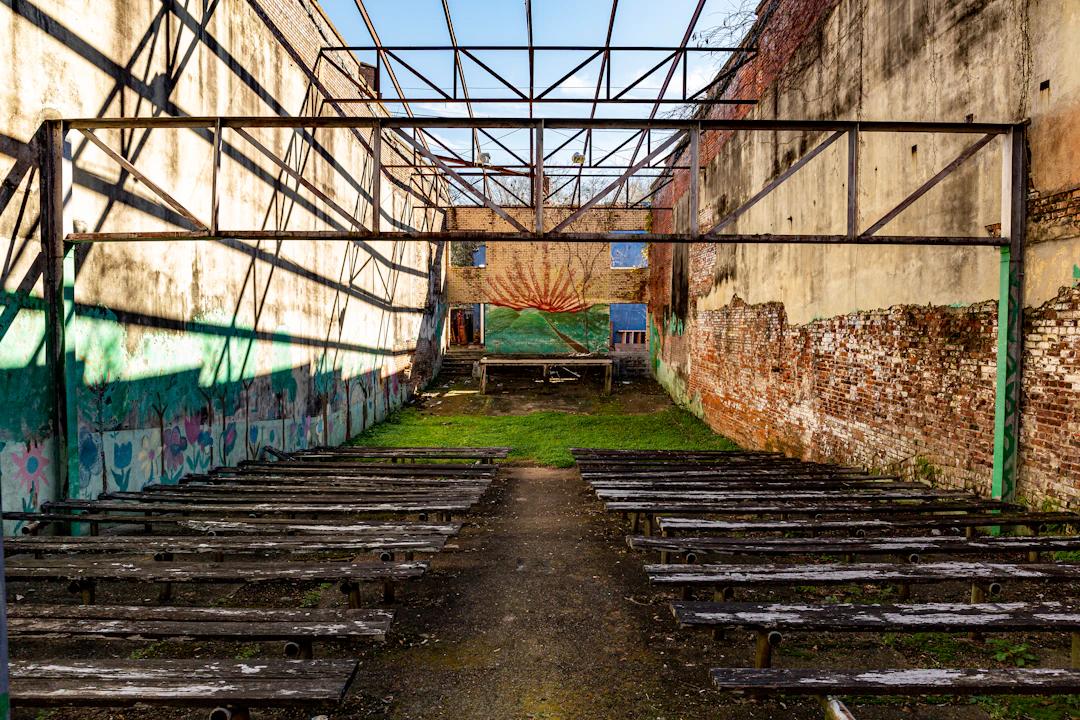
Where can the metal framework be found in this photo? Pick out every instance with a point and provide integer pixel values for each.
(407, 145)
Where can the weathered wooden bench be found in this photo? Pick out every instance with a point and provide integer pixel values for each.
(386, 544)
(647, 511)
(297, 628)
(966, 681)
(671, 526)
(865, 495)
(545, 364)
(349, 468)
(309, 496)
(232, 688)
(984, 577)
(293, 527)
(272, 508)
(908, 547)
(740, 483)
(770, 620)
(36, 521)
(83, 573)
(249, 491)
(409, 453)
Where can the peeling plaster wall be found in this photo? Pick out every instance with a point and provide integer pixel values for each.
(983, 60)
(185, 355)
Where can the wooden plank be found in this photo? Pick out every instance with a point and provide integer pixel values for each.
(252, 624)
(248, 525)
(298, 527)
(18, 569)
(1011, 681)
(203, 508)
(413, 452)
(114, 683)
(195, 544)
(683, 525)
(860, 573)
(855, 546)
(847, 617)
(307, 497)
(571, 362)
(867, 495)
(831, 507)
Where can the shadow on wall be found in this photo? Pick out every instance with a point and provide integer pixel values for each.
(196, 392)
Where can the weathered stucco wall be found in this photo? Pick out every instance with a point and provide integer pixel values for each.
(183, 355)
(803, 308)
(548, 297)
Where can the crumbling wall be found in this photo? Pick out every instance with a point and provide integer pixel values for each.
(883, 356)
(184, 355)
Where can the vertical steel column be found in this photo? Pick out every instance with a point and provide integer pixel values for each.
(695, 174)
(853, 182)
(538, 179)
(1010, 344)
(215, 170)
(376, 177)
(51, 160)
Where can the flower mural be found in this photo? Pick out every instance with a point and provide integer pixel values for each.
(174, 444)
(121, 466)
(30, 470)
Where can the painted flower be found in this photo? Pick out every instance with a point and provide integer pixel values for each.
(175, 445)
(192, 429)
(30, 468)
(88, 450)
(121, 455)
(229, 441)
(205, 439)
(253, 434)
(145, 458)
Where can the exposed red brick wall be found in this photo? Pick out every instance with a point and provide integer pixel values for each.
(908, 387)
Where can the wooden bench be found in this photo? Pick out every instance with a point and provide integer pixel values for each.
(348, 467)
(647, 510)
(307, 496)
(545, 364)
(908, 547)
(387, 544)
(293, 527)
(671, 526)
(36, 521)
(983, 576)
(83, 574)
(298, 628)
(867, 495)
(739, 483)
(409, 453)
(229, 687)
(770, 620)
(967, 681)
(271, 508)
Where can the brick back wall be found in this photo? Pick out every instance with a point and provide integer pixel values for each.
(547, 263)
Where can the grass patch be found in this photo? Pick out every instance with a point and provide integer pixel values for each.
(545, 438)
(1009, 707)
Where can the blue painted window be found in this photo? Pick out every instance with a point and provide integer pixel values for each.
(627, 317)
(629, 255)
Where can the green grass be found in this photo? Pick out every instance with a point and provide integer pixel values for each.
(544, 438)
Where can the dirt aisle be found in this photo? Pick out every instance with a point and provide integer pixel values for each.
(541, 614)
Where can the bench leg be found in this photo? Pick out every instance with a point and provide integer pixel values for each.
(647, 525)
(87, 591)
(299, 649)
(231, 712)
(352, 590)
(1075, 653)
(388, 592)
(483, 379)
(834, 709)
(607, 379)
(165, 592)
(765, 641)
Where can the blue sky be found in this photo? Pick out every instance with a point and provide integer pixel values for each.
(556, 22)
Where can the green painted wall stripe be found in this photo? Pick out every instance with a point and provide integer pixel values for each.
(1002, 373)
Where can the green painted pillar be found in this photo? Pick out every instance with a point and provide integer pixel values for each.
(1007, 390)
(1010, 319)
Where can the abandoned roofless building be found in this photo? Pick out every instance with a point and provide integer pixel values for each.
(792, 287)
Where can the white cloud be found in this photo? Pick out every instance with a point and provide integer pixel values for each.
(577, 86)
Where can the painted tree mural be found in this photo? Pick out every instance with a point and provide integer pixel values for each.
(543, 306)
